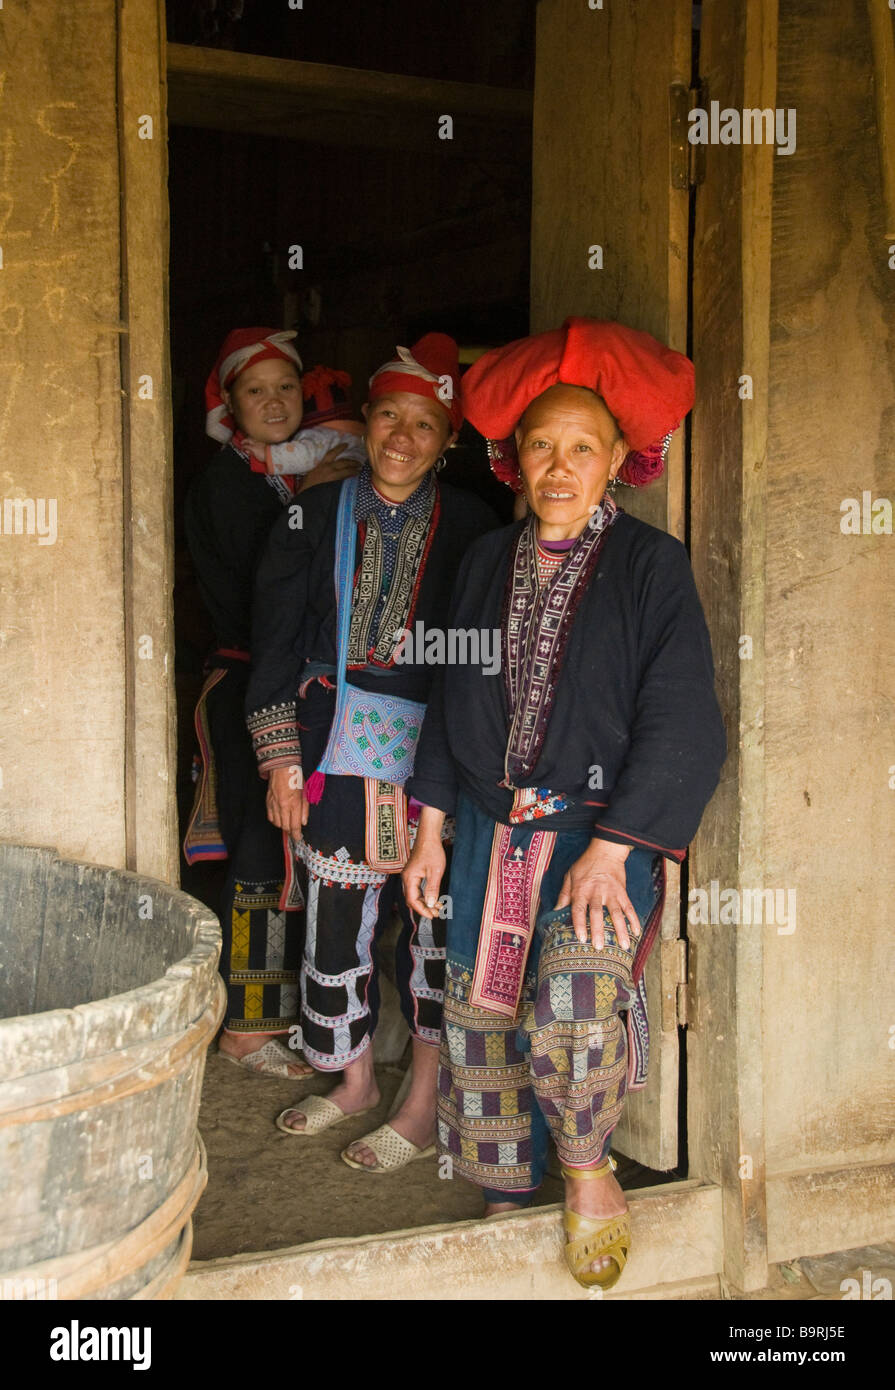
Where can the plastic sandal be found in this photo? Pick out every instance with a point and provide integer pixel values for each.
(273, 1059)
(320, 1114)
(590, 1238)
(392, 1151)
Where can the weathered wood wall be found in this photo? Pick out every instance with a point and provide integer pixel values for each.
(731, 269)
(87, 733)
(790, 1092)
(62, 617)
(830, 617)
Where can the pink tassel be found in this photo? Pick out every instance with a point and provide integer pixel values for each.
(314, 787)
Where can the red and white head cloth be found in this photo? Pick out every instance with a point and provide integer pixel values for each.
(647, 387)
(239, 348)
(431, 368)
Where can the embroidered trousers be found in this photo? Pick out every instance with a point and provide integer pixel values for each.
(561, 1066)
(348, 906)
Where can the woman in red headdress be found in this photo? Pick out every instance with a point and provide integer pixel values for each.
(335, 705)
(574, 772)
(254, 403)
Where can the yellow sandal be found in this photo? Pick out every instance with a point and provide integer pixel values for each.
(590, 1238)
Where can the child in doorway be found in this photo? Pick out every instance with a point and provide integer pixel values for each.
(327, 423)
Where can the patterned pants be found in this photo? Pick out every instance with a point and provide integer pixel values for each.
(349, 905)
(561, 1066)
(261, 945)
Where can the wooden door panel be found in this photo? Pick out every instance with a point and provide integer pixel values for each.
(602, 179)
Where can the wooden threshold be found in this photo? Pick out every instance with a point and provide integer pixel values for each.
(321, 104)
(676, 1232)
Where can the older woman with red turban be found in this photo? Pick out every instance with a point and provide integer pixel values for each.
(335, 709)
(574, 773)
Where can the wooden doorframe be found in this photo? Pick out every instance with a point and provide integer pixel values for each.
(151, 832)
(731, 335)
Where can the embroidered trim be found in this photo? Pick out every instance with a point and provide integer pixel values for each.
(387, 842)
(533, 803)
(536, 624)
(396, 540)
(337, 868)
(274, 733)
(511, 904)
(203, 839)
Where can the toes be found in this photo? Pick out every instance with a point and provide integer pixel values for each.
(361, 1154)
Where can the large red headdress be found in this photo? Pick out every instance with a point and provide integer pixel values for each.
(647, 387)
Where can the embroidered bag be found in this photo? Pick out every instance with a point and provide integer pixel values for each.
(372, 735)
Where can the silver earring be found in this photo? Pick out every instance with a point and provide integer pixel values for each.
(440, 462)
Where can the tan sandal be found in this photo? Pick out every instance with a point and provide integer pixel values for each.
(392, 1151)
(591, 1237)
(320, 1114)
(273, 1059)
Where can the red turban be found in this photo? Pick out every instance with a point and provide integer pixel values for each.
(430, 368)
(647, 387)
(239, 348)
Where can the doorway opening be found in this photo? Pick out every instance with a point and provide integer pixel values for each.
(302, 200)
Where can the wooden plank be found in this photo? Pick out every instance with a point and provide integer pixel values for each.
(830, 617)
(327, 105)
(72, 922)
(731, 309)
(150, 755)
(840, 1209)
(62, 717)
(676, 1236)
(654, 1110)
(882, 33)
(601, 177)
(24, 874)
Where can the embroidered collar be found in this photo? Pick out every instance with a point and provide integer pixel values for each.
(537, 620)
(392, 515)
(396, 537)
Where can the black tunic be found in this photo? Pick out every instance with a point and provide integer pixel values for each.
(228, 515)
(635, 737)
(295, 615)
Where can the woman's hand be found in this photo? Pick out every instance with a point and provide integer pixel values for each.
(425, 868)
(332, 468)
(595, 881)
(287, 805)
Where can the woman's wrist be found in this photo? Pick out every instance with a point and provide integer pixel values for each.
(611, 848)
(430, 825)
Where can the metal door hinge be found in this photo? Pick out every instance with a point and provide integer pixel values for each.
(687, 161)
(683, 999)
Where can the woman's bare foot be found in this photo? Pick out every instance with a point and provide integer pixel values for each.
(240, 1045)
(415, 1120)
(600, 1198)
(356, 1091)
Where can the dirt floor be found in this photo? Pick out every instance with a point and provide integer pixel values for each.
(267, 1191)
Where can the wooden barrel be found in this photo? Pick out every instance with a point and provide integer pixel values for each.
(109, 997)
